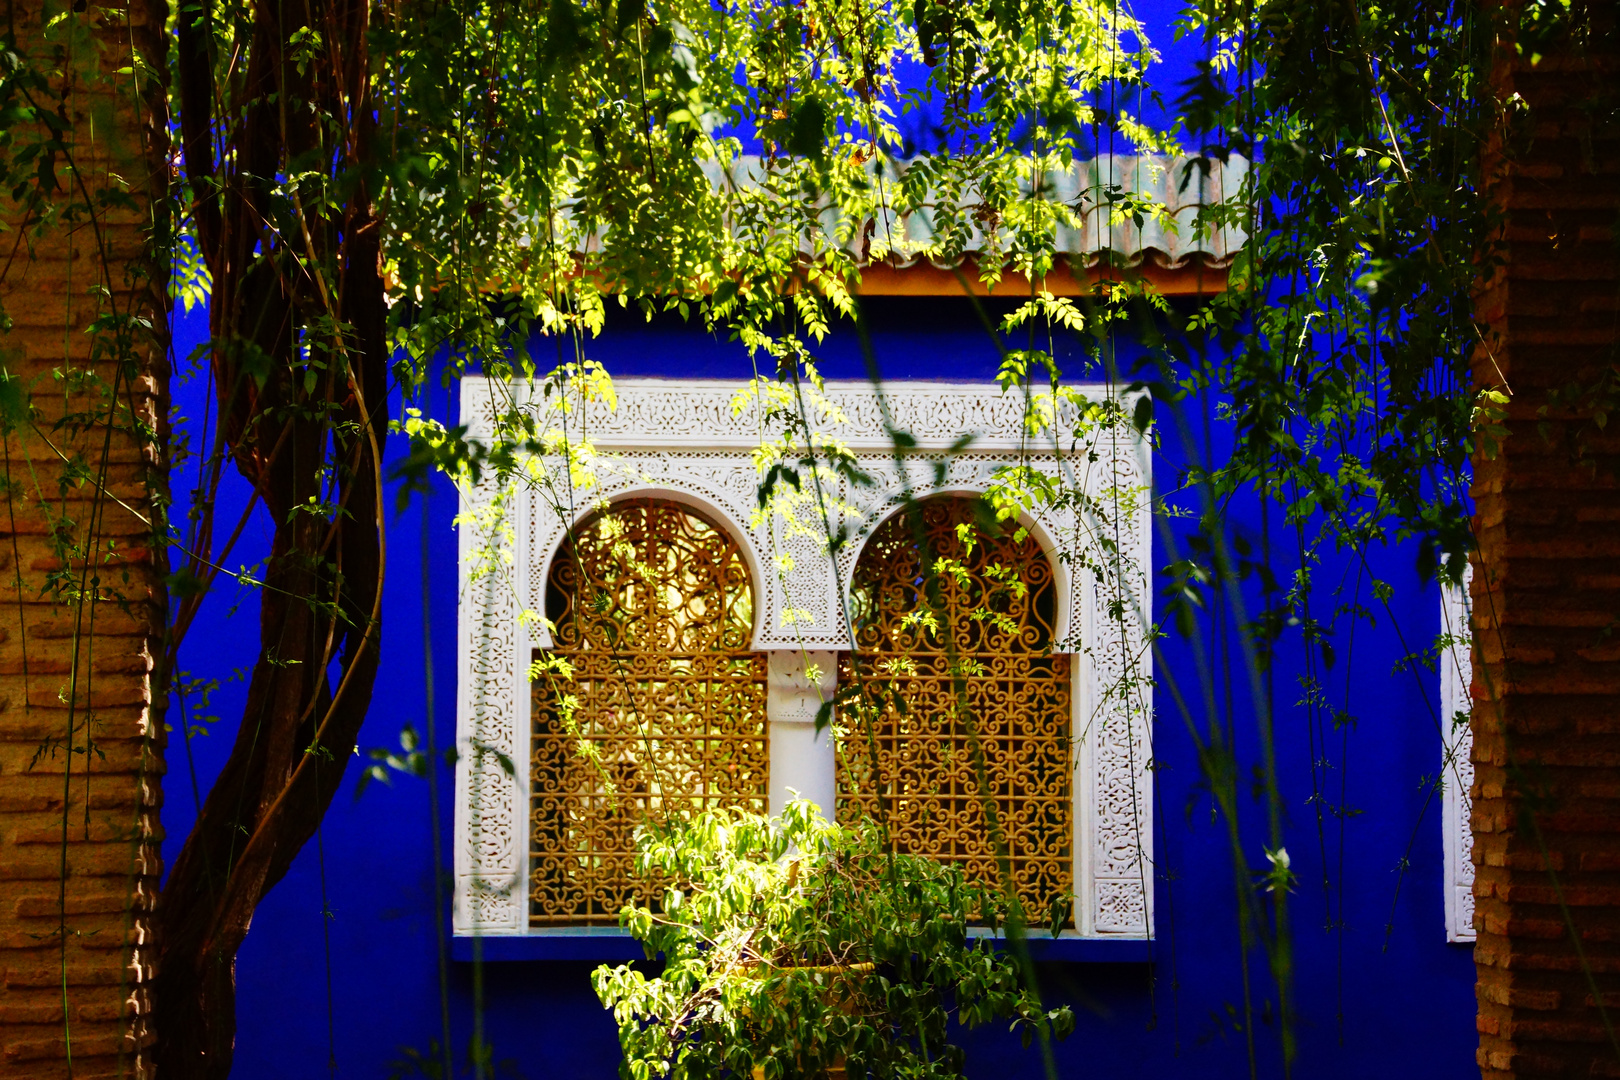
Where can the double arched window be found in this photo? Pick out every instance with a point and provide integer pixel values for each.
(661, 710)
(696, 673)
(955, 732)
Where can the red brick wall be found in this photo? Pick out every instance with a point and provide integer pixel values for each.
(1546, 594)
(80, 718)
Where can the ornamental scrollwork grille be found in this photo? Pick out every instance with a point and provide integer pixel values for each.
(960, 694)
(653, 705)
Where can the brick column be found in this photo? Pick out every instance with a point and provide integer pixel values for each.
(1546, 591)
(80, 718)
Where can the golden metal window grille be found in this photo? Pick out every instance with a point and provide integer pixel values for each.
(653, 608)
(1015, 692)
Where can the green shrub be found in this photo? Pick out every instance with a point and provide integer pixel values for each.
(795, 944)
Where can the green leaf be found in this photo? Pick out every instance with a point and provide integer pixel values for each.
(13, 402)
(183, 584)
(807, 137)
(564, 37)
(1142, 415)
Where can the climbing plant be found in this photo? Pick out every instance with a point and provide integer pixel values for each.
(417, 190)
(1341, 354)
(373, 192)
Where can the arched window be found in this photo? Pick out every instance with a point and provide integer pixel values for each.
(954, 626)
(663, 714)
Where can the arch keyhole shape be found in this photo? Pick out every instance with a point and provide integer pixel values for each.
(958, 706)
(661, 708)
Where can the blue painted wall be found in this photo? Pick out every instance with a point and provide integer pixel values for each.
(1378, 991)
(348, 991)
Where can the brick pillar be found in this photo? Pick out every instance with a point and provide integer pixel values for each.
(80, 718)
(1546, 591)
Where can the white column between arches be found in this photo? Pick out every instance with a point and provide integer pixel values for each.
(802, 763)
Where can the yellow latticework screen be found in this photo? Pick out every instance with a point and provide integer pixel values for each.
(653, 609)
(954, 637)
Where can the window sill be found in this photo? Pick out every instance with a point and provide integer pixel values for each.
(583, 943)
(611, 944)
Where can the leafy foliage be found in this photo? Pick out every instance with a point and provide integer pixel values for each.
(792, 945)
(567, 154)
(1345, 343)
(369, 180)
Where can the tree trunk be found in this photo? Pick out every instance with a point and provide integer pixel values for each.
(276, 300)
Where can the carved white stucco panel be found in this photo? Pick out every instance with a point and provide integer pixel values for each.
(1457, 760)
(684, 439)
(491, 815)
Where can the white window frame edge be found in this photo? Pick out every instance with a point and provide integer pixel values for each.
(679, 438)
(1456, 761)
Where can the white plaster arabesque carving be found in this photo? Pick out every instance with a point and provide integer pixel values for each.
(1456, 675)
(681, 439)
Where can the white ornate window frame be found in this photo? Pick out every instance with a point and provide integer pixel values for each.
(1457, 761)
(681, 439)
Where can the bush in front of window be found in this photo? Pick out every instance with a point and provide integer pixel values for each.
(794, 947)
